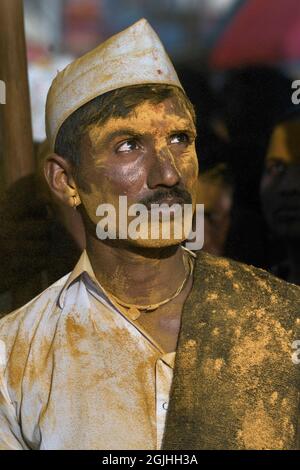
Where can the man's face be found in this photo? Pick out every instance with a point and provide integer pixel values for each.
(216, 196)
(148, 156)
(280, 186)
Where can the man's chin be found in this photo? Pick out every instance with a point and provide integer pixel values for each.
(290, 231)
(155, 243)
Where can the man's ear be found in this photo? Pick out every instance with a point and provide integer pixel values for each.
(58, 173)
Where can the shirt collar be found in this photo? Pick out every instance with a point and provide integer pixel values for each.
(83, 266)
(169, 359)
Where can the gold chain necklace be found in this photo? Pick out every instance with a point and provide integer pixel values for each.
(134, 311)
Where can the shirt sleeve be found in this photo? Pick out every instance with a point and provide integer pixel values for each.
(10, 432)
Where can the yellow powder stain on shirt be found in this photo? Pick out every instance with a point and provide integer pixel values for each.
(247, 268)
(2, 399)
(250, 352)
(231, 313)
(190, 344)
(212, 296)
(188, 359)
(274, 398)
(75, 332)
(17, 359)
(284, 403)
(264, 285)
(273, 299)
(221, 262)
(260, 313)
(237, 331)
(259, 431)
(189, 354)
(219, 364)
(229, 274)
(213, 366)
(36, 369)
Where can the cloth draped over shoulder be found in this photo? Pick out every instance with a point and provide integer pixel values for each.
(235, 384)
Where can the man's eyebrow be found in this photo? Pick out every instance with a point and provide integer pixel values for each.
(117, 133)
(130, 131)
(187, 126)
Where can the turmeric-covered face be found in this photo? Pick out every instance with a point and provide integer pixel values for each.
(280, 186)
(148, 156)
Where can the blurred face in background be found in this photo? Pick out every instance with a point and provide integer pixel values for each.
(216, 195)
(280, 185)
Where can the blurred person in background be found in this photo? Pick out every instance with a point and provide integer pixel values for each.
(252, 100)
(40, 239)
(215, 191)
(280, 195)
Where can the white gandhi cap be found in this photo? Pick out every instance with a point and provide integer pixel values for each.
(132, 57)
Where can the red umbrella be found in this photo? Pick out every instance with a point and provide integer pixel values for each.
(262, 32)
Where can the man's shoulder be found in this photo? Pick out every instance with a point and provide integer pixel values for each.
(240, 284)
(227, 268)
(31, 313)
(236, 347)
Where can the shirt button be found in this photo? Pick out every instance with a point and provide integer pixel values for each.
(165, 406)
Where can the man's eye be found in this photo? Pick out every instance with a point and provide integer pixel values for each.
(275, 168)
(180, 138)
(128, 146)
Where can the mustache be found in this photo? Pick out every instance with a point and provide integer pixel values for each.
(160, 195)
(291, 201)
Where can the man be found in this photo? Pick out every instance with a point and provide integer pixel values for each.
(89, 363)
(215, 191)
(280, 193)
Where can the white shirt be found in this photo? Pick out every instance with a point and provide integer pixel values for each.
(77, 373)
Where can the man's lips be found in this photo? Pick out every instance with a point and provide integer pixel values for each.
(168, 201)
(288, 212)
(169, 197)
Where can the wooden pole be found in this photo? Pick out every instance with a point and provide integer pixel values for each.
(16, 129)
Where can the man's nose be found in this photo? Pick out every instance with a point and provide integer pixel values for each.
(163, 170)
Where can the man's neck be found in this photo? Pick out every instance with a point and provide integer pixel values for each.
(140, 276)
